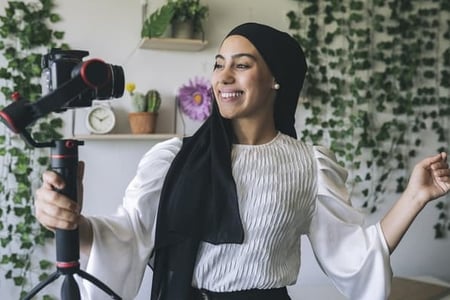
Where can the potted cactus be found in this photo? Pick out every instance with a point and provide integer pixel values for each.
(143, 119)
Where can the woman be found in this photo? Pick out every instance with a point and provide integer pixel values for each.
(220, 214)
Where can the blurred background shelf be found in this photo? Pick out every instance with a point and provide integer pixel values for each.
(125, 136)
(172, 44)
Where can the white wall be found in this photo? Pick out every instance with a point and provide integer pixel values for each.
(110, 29)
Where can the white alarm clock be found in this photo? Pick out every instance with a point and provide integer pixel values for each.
(100, 119)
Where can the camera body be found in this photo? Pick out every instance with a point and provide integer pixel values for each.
(59, 66)
(67, 82)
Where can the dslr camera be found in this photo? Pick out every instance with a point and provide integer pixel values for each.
(59, 66)
(67, 82)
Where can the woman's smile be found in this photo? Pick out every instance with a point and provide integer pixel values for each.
(228, 96)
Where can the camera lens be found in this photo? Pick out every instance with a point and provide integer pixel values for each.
(116, 85)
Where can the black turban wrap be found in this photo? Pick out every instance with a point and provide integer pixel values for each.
(199, 199)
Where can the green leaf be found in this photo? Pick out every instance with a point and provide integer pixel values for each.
(440, 205)
(43, 276)
(5, 259)
(156, 24)
(5, 241)
(19, 280)
(438, 231)
(54, 18)
(45, 264)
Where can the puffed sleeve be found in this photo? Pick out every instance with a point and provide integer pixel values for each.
(123, 242)
(354, 256)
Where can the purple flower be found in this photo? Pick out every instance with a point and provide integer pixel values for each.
(195, 100)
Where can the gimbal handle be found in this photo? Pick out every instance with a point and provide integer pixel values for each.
(64, 161)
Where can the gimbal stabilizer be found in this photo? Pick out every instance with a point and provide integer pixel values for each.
(87, 76)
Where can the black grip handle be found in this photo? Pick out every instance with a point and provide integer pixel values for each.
(64, 161)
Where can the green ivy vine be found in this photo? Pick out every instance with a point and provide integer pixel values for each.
(25, 35)
(378, 88)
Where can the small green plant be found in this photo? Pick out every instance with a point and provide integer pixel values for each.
(158, 22)
(150, 102)
(185, 10)
(153, 101)
(175, 11)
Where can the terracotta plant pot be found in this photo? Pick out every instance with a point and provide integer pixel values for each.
(142, 122)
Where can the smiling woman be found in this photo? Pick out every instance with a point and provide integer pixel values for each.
(221, 213)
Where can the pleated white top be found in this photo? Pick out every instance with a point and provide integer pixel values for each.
(286, 188)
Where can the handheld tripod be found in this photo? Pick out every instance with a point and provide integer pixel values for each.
(64, 160)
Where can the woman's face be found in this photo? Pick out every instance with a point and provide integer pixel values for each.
(242, 81)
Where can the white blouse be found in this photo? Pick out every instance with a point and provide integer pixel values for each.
(286, 188)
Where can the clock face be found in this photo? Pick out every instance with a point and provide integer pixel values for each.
(100, 120)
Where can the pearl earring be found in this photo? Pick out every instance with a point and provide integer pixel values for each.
(276, 86)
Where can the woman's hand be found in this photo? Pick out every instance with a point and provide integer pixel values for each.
(430, 178)
(55, 210)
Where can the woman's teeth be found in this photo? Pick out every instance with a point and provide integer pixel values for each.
(231, 95)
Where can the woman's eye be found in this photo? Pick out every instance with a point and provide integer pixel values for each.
(217, 66)
(242, 66)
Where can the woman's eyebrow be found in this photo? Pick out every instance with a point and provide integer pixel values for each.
(238, 55)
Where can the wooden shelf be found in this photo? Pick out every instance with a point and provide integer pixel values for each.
(172, 44)
(155, 136)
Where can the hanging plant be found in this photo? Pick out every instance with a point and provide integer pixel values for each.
(25, 34)
(377, 88)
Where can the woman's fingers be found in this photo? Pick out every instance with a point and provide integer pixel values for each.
(53, 209)
(52, 180)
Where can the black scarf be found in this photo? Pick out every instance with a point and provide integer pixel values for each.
(199, 199)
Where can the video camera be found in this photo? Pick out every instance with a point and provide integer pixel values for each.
(67, 82)
(59, 66)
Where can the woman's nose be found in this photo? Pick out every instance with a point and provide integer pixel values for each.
(226, 76)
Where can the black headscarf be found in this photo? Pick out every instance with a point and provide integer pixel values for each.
(199, 199)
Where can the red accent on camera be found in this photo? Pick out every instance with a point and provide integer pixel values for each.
(70, 144)
(10, 122)
(15, 96)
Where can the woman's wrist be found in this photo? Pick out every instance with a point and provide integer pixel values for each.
(398, 219)
(415, 199)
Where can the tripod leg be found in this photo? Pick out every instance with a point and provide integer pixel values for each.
(69, 289)
(99, 284)
(41, 285)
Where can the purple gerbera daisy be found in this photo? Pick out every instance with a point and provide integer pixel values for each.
(195, 100)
